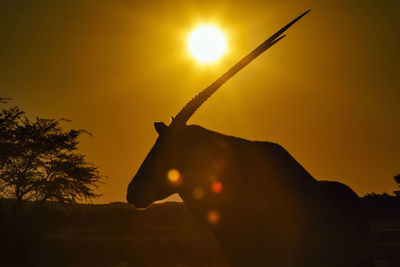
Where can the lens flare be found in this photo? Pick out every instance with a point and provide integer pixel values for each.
(198, 193)
(174, 177)
(207, 43)
(216, 187)
(213, 217)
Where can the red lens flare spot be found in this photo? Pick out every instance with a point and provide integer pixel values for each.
(216, 187)
(198, 193)
(174, 177)
(213, 217)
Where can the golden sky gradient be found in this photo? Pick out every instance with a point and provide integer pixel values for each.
(329, 92)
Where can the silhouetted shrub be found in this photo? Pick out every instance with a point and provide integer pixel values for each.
(382, 207)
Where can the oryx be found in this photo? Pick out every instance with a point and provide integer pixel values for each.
(264, 208)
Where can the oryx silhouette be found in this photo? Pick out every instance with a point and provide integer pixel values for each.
(263, 207)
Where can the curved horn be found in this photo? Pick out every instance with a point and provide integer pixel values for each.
(184, 115)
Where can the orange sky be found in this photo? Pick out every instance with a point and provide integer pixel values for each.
(329, 92)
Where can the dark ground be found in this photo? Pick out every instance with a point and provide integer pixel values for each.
(163, 235)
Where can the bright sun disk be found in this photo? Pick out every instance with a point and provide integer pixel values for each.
(207, 43)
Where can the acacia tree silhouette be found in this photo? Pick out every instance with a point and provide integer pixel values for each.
(397, 180)
(39, 161)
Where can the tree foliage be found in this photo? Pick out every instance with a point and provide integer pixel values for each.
(39, 161)
(397, 180)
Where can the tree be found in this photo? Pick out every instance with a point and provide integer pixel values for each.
(397, 180)
(39, 161)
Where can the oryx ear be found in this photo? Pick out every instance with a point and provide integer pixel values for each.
(160, 127)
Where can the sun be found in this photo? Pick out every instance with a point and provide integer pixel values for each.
(207, 43)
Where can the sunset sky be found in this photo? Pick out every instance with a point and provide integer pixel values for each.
(329, 92)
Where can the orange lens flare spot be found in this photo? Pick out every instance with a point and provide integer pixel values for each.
(174, 177)
(198, 193)
(216, 187)
(213, 217)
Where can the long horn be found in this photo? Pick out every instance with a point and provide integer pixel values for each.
(183, 116)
